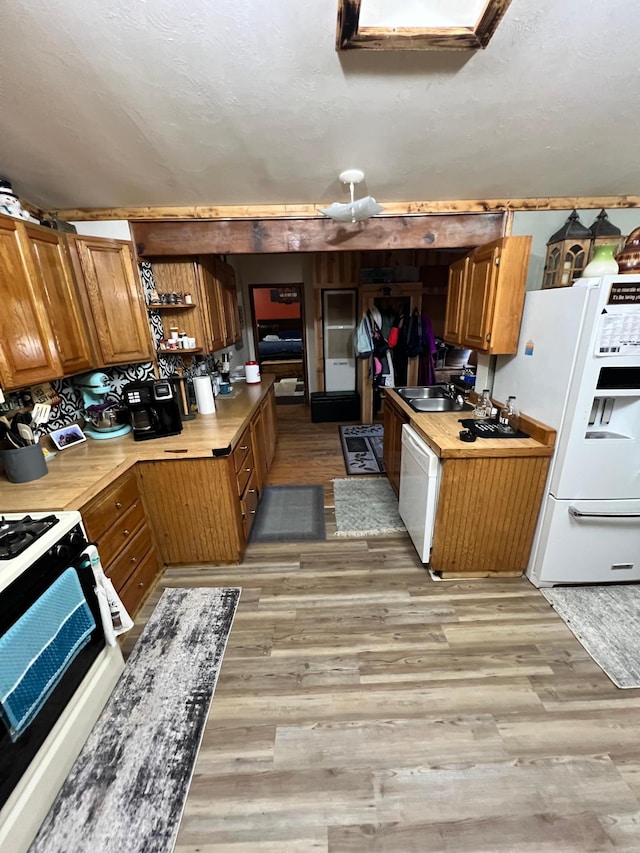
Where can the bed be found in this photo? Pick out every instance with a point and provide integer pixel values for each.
(280, 347)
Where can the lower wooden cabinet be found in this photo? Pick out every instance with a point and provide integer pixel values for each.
(202, 510)
(116, 521)
(392, 449)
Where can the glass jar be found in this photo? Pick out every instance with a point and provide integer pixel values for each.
(483, 406)
(508, 417)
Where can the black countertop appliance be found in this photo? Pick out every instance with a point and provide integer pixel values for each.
(153, 409)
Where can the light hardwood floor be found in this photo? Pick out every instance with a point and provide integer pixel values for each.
(363, 707)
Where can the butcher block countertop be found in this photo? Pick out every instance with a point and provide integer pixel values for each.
(441, 431)
(79, 473)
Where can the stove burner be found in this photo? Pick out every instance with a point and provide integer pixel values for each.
(17, 534)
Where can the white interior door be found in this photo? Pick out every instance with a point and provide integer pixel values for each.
(339, 322)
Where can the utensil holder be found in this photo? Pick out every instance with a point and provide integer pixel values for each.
(22, 464)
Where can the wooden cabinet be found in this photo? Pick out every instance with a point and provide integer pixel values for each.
(486, 296)
(214, 322)
(64, 308)
(28, 352)
(116, 305)
(264, 429)
(116, 521)
(394, 418)
(203, 509)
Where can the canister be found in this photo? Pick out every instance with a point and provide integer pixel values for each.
(252, 372)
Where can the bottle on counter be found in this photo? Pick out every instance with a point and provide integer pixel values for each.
(508, 417)
(483, 406)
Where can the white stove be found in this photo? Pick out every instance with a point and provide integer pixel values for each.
(26, 537)
(35, 549)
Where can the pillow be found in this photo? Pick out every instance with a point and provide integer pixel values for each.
(271, 338)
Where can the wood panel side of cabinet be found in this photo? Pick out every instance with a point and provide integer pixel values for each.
(510, 294)
(116, 300)
(486, 515)
(28, 352)
(50, 258)
(194, 510)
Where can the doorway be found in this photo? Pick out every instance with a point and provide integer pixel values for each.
(277, 318)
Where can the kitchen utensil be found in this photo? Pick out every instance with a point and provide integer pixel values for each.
(41, 413)
(26, 433)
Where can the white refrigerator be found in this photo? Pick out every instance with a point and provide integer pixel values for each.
(577, 370)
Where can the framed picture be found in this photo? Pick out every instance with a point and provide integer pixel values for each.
(67, 437)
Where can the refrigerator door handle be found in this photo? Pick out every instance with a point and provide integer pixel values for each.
(577, 513)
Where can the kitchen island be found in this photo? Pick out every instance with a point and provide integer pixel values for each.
(490, 490)
(183, 499)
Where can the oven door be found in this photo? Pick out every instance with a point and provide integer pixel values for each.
(34, 767)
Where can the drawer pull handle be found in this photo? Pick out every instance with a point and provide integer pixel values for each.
(244, 447)
(126, 532)
(140, 585)
(253, 512)
(252, 491)
(248, 470)
(118, 505)
(134, 559)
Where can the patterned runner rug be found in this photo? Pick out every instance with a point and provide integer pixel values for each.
(362, 448)
(127, 789)
(606, 620)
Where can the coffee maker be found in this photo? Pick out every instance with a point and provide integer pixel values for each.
(153, 409)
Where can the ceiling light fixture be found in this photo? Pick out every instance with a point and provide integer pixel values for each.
(357, 209)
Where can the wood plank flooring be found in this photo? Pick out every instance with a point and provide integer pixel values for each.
(363, 707)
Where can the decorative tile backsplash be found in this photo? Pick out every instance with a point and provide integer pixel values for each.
(69, 409)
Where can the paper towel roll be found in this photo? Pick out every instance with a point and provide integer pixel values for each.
(204, 395)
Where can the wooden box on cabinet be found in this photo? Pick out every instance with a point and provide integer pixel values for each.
(114, 299)
(116, 521)
(486, 296)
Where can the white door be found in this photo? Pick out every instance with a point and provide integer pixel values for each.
(339, 323)
(586, 541)
(419, 483)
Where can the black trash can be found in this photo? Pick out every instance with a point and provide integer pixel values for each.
(337, 406)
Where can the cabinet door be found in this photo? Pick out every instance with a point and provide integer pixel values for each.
(479, 302)
(458, 273)
(233, 331)
(392, 448)
(117, 303)
(49, 257)
(270, 423)
(213, 306)
(28, 352)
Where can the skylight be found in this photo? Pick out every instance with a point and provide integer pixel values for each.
(417, 24)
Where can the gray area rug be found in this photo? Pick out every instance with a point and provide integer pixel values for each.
(289, 514)
(606, 620)
(362, 448)
(127, 789)
(366, 507)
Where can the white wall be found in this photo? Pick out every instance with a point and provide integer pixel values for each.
(114, 229)
(542, 224)
(290, 268)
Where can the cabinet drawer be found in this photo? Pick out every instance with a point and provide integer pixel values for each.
(99, 514)
(245, 472)
(241, 449)
(140, 582)
(249, 504)
(121, 532)
(130, 558)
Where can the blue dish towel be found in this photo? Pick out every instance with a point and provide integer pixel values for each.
(39, 647)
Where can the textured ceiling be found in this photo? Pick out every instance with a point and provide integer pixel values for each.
(179, 102)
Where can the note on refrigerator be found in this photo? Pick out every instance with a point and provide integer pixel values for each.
(619, 334)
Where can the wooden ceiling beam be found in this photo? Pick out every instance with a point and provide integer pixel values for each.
(304, 211)
(273, 236)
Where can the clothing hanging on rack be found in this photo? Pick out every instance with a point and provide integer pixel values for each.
(426, 364)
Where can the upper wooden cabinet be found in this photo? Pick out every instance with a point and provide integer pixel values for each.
(116, 302)
(486, 296)
(49, 256)
(214, 322)
(28, 351)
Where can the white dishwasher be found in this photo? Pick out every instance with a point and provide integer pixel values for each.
(419, 485)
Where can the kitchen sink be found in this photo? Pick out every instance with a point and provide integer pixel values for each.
(438, 404)
(421, 392)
